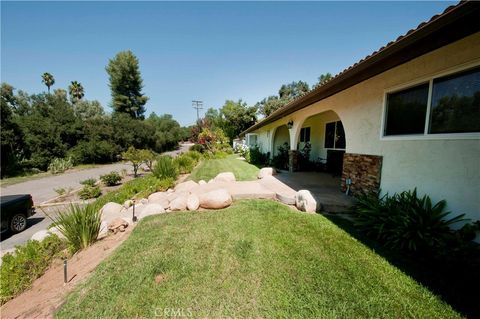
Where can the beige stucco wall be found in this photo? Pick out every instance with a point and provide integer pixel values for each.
(447, 168)
(317, 133)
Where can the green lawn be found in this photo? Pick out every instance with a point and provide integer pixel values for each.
(256, 259)
(208, 169)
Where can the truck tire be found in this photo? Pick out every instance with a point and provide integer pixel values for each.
(18, 223)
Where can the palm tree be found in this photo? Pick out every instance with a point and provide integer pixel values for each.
(76, 91)
(48, 80)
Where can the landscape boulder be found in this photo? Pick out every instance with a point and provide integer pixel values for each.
(127, 203)
(143, 201)
(193, 202)
(103, 229)
(159, 198)
(151, 209)
(202, 182)
(111, 208)
(266, 171)
(56, 231)
(225, 177)
(179, 203)
(40, 235)
(116, 225)
(185, 186)
(304, 201)
(216, 199)
(172, 196)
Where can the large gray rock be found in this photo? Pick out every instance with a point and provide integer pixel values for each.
(185, 186)
(56, 231)
(266, 171)
(151, 209)
(179, 203)
(304, 201)
(40, 235)
(225, 177)
(193, 202)
(159, 198)
(111, 208)
(216, 199)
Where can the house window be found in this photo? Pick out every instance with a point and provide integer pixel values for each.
(406, 111)
(456, 103)
(305, 134)
(334, 135)
(443, 105)
(252, 140)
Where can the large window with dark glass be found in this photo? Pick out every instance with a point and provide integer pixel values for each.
(334, 135)
(455, 106)
(406, 111)
(305, 134)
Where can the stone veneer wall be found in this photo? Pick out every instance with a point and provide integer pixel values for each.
(364, 171)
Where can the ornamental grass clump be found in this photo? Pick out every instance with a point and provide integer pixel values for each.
(184, 163)
(165, 168)
(80, 225)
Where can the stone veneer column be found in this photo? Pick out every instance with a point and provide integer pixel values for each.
(292, 160)
(364, 171)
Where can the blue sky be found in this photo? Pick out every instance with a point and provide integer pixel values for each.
(211, 51)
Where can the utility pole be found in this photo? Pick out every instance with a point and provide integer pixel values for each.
(198, 105)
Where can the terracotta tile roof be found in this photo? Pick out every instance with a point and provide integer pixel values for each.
(459, 11)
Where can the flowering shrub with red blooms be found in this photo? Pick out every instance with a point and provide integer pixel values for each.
(211, 138)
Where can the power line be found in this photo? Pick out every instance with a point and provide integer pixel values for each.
(198, 105)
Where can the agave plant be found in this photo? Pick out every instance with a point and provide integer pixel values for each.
(80, 225)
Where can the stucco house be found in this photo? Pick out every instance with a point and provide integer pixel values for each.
(406, 116)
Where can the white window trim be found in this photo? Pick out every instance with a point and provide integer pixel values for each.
(418, 81)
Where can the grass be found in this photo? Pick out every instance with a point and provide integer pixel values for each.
(30, 177)
(209, 168)
(256, 259)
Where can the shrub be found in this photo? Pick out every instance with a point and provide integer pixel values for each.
(111, 179)
(88, 192)
(60, 165)
(135, 156)
(149, 158)
(194, 155)
(89, 182)
(19, 270)
(241, 149)
(224, 147)
(94, 152)
(280, 160)
(184, 164)
(405, 221)
(60, 191)
(80, 225)
(197, 148)
(257, 157)
(165, 168)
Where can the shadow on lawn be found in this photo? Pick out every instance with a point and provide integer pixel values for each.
(456, 281)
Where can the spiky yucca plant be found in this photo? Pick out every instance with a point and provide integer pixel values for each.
(80, 225)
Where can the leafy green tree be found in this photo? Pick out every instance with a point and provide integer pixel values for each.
(236, 117)
(136, 158)
(76, 91)
(88, 109)
(10, 133)
(324, 78)
(167, 132)
(126, 85)
(293, 90)
(48, 80)
(269, 105)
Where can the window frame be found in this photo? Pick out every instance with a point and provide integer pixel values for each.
(426, 79)
(304, 130)
(335, 134)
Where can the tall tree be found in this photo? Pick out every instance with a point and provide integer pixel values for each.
(126, 84)
(48, 80)
(75, 89)
(324, 78)
(293, 90)
(237, 117)
(270, 104)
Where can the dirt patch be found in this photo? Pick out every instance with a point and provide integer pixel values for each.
(160, 278)
(48, 292)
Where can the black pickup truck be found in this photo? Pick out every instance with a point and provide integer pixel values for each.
(14, 210)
